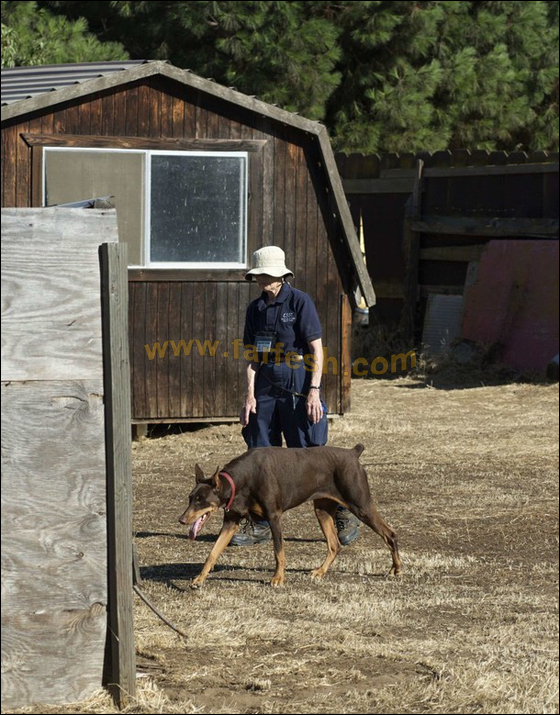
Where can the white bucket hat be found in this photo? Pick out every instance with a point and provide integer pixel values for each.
(270, 261)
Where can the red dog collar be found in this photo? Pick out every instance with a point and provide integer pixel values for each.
(232, 485)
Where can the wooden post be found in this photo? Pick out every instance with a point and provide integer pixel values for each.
(139, 430)
(411, 247)
(114, 281)
(345, 353)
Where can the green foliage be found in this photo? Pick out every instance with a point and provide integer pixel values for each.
(33, 36)
(278, 51)
(289, 57)
(439, 75)
(383, 76)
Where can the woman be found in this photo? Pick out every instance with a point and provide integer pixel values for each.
(283, 335)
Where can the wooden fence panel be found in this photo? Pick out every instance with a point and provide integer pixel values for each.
(54, 580)
(51, 321)
(54, 503)
(468, 198)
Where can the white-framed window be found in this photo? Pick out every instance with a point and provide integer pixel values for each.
(175, 209)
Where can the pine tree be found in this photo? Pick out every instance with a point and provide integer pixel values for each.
(438, 75)
(281, 54)
(34, 36)
(407, 75)
(274, 50)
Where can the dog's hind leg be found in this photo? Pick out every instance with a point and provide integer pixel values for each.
(325, 510)
(371, 517)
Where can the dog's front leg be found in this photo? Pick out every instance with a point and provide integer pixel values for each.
(229, 528)
(279, 553)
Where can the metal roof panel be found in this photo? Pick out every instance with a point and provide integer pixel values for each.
(25, 82)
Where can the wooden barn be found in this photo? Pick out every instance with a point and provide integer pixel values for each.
(201, 176)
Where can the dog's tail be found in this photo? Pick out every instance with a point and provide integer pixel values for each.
(359, 448)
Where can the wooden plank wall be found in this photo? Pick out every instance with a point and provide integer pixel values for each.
(190, 386)
(292, 212)
(54, 532)
(474, 184)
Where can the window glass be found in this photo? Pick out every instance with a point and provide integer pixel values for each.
(197, 212)
(174, 209)
(77, 175)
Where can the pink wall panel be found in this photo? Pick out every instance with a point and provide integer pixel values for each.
(514, 302)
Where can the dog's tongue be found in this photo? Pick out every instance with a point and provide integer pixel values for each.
(197, 526)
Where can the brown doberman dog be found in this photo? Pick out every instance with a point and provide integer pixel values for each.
(267, 481)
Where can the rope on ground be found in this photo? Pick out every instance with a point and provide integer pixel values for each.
(155, 610)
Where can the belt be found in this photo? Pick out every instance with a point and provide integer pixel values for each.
(284, 389)
(293, 357)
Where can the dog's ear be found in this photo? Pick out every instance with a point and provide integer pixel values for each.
(216, 479)
(200, 478)
(359, 448)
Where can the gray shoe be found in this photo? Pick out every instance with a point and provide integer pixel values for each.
(347, 525)
(252, 532)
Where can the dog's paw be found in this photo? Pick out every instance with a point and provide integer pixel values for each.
(317, 574)
(197, 583)
(277, 581)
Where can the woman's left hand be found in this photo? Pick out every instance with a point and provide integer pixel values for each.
(314, 406)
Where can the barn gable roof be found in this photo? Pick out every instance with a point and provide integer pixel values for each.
(55, 90)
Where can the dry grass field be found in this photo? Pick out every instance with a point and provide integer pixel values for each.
(468, 478)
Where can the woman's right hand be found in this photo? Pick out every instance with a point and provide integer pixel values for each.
(249, 407)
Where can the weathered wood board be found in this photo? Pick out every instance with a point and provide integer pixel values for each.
(54, 524)
(54, 581)
(51, 316)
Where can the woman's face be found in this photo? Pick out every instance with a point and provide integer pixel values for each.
(270, 284)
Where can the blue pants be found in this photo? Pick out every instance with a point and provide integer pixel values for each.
(281, 413)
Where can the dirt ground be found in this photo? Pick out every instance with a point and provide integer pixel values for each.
(468, 478)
